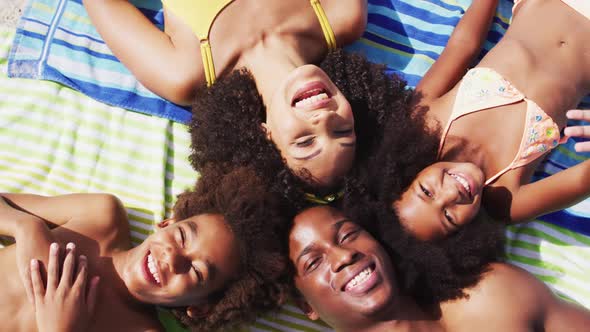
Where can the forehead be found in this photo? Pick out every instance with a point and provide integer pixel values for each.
(211, 228)
(313, 224)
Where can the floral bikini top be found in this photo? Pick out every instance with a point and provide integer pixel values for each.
(484, 88)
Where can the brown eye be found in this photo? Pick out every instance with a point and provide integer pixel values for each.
(448, 216)
(349, 236)
(426, 191)
(312, 264)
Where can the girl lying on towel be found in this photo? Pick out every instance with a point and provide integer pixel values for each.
(214, 264)
(275, 41)
(497, 120)
(345, 277)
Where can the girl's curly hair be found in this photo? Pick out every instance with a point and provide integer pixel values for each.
(431, 272)
(253, 217)
(434, 272)
(226, 123)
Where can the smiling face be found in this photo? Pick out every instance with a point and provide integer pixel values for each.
(183, 262)
(343, 272)
(311, 123)
(442, 198)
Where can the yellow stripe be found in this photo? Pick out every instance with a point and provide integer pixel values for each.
(207, 62)
(326, 28)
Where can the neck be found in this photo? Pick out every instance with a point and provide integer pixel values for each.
(113, 270)
(402, 315)
(271, 61)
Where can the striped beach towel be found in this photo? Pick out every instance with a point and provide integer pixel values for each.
(56, 41)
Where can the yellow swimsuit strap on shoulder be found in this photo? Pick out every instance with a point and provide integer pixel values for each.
(200, 15)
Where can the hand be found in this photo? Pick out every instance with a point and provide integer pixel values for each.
(33, 238)
(67, 304)
(579, 131)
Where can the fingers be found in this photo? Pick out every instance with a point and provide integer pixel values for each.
(37, 282)
(27, 281)
(68, 268)
(91, 298)
(578, 115)
(577, 131)
(582, 147)
(52, 267)
(81, 276)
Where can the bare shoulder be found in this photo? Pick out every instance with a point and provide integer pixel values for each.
(100, 216)
(348, 19)
(510, 285)
(514, 294)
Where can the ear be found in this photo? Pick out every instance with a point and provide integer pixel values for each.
(266, 130)
(306, 308)
(166, 222)
(200, 311)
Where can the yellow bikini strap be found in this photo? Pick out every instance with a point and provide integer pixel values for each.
(326, 28)
(207, 58)
(324, 200)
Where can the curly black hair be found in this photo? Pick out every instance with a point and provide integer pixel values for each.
(253, 217)
(226, 124)
(432, 272)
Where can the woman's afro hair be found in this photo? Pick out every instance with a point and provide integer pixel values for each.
(226, 124)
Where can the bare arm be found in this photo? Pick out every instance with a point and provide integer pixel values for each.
(463, 46)
(99, 211)
(166, 65)
(553, 193)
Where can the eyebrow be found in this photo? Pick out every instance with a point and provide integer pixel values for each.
(193, 227)
(310, 247)
(348, 145)
(313, 154)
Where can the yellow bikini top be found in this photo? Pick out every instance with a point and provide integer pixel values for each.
(200, 15)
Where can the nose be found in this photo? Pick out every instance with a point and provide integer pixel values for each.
(342, 257)
(322, 116)
(447, 195)
(177, 262)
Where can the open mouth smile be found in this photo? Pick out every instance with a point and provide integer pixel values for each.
(150, 270)
(361, 282)
(311, 96)
(464, 184)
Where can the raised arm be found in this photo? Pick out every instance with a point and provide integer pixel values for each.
(167, 65)
(462, 48)
(553, 193)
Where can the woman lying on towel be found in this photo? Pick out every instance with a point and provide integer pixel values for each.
(345, 277)
(214, 264)
(497, 121)
(237, 41)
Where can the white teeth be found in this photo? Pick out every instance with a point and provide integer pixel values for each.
(462, 181)
(312, 99)
(152, 268)
(358, 279)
